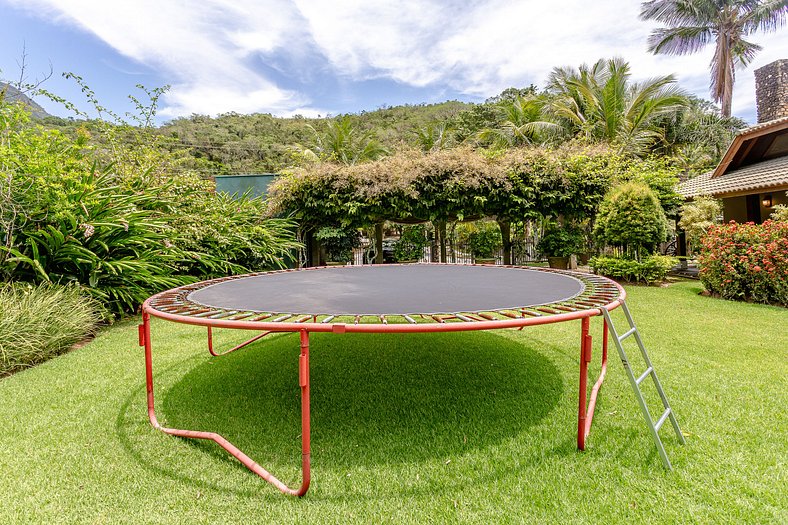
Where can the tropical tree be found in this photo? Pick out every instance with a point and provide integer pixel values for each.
(691, 24)
(434, 136)
(599, 103)
(522, 122)
(342, 142)
(698, 135)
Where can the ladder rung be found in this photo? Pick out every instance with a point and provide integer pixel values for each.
(630, 332)
(662, 419)
(644, 376)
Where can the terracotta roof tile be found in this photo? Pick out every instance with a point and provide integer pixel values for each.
(761, 176)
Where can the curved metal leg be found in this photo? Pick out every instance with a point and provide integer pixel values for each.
(233, 349)
(303, 379)
(586, 415)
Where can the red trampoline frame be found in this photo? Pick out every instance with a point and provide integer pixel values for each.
(173, 306)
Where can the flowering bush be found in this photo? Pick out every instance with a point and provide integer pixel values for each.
(747, 261)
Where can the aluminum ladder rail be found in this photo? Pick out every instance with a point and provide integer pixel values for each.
(636, 381)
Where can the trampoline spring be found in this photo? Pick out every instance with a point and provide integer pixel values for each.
(548, 310)
(222, 315)
(209, 314)
(328, 319)
(409, 319)
(261, 317)
(282, 318)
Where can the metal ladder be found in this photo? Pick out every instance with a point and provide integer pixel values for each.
(635, 382)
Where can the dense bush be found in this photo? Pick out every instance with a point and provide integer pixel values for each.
(485, 242)
(649, 270)
(631, 216)
(338, 242)
(561, 241)
(39, 322)
(780, 213)
(115, 215)
(746, 261)
(697, 217)
(411, 243)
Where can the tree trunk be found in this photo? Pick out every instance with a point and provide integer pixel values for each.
(440, 227)
(506, 238)
(379, 243)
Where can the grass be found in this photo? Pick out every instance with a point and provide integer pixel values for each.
(40, 322)
(465, 428)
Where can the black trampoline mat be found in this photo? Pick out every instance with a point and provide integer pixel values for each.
(390, 290)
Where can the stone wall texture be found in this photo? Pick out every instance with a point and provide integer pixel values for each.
(771, 90)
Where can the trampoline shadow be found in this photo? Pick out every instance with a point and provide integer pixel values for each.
(375, 398)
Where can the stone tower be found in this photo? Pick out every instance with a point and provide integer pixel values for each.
(771, 90)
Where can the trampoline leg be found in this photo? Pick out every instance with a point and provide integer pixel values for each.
(233, 349)
(586, 415)
(303, 373)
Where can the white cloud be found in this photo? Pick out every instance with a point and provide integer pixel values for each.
(222, 55)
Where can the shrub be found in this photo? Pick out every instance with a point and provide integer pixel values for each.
(40, 322)
(410, 246)
(746, 261)
(697, 217)
(485, 240)
(125, 231)
(632, 217)
(651, 269)
(338, 242)
(780, 213)
(559, 241)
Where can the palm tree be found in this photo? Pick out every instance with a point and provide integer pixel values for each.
(691, 24)
(599, 103)
(434, 136)
(342, 142)
(522, 122)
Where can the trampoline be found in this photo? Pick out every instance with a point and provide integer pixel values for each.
(383, 298)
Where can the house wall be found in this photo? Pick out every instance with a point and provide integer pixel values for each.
(735, 208)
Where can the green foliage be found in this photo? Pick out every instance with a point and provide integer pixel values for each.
(649, 270)
(108, 242)
(697, 136)
(561, 241)
(344, 143)
(780, 213)
(698, 216)
(410, 246)
(746, 261)
(40, 322)
(338, 242)
(631, 216)
(599, 103)
(127, 229)
(521, 122)
(485, 240)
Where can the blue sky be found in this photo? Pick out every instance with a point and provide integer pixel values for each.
(324, 58)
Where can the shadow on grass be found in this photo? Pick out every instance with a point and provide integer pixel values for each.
(376, 399)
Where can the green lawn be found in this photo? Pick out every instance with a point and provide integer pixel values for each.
(471, 428)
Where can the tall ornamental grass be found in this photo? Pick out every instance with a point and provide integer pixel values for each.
(40, 322)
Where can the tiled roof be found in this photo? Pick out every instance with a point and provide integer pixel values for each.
(768, 124)
(761, 176)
